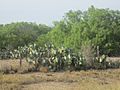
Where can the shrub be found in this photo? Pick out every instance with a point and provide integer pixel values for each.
(57, 59)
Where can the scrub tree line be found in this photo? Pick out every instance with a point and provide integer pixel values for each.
(87, 37)
(97, 27)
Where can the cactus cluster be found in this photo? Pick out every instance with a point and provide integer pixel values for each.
(55, 59)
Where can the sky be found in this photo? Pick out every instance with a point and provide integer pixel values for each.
(47, 11)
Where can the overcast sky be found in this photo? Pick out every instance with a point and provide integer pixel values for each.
(46, 11)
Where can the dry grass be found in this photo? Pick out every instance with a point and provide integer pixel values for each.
(13, 66)
(82, 80)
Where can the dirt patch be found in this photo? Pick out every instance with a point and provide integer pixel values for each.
(51, 86)
(75, 80)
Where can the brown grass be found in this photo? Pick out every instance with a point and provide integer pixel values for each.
(83, 80)
(13, 66)
(80, 80)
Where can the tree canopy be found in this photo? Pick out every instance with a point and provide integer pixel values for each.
(98, 27)
(20, 34)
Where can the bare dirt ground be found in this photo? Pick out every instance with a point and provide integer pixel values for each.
(82, 80)
(75, 80)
